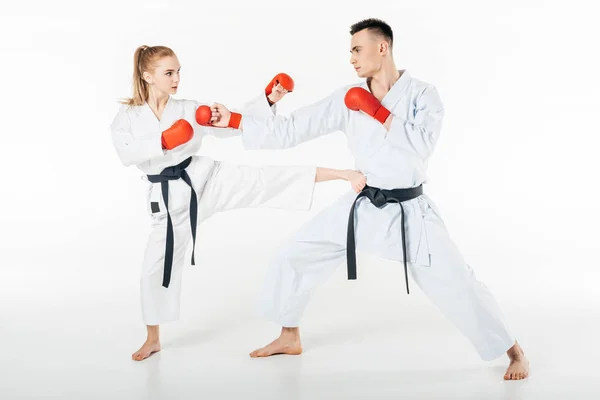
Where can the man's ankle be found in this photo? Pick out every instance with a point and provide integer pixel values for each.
(289, 331)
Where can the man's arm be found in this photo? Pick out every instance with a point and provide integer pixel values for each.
(421, 130)
(264, 105)
(281, 132)
(418, 132)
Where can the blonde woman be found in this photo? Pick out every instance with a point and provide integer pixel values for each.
(161, 135)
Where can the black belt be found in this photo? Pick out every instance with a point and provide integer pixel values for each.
(172, 174)
(379, 198)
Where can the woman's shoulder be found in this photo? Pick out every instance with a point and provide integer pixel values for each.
(125, 114)
(186, 102)
(131, 111)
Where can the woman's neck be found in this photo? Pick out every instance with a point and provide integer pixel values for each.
(157, 103)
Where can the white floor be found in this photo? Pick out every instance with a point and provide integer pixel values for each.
(71, 320)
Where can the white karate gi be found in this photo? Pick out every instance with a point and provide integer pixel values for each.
(220, 186)
(394, 159)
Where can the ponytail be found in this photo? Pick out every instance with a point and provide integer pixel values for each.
(143, 60)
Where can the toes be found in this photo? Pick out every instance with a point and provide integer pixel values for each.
(255, 353)
(141, 355)
(262, 353)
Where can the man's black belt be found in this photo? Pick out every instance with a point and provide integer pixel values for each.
(172, 174)
(379, 198)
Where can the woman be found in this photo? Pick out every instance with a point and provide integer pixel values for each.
(160, 135)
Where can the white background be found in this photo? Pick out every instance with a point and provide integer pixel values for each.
(514, 174)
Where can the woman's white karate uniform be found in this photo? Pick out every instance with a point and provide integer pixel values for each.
(220, 186)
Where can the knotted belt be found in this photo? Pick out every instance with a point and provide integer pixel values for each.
(379, 198)
(172, 174)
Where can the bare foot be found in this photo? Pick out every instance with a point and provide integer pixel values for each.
(287, 343)
(148, 348)
(519, 365)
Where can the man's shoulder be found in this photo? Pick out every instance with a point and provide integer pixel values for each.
(340, 91)
(419, 85)
(345, 88)
(416, 81)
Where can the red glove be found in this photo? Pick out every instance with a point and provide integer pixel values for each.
(204, 115)
(179, 133)
(359, 99)
(284, 79)
(234, 120)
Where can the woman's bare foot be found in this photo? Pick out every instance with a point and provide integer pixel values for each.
(151, 346)
(519, 365)
(287, 343)
(147, 349)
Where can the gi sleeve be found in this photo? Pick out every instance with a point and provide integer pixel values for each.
(134, 150)
(421, 130)
(256, 106)
(279, 132)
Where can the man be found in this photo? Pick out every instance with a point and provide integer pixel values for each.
(392, 122)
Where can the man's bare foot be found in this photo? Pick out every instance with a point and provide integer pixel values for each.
(148, 348)
(519, 365)
(287, 343)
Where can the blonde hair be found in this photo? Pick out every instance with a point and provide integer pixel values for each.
(144, 59)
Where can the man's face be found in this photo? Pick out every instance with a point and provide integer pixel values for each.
(367, 51)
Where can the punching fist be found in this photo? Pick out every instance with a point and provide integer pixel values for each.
(279, 86)
(203, 115)
(179, 133)
(282, 79)
(224, 117)
(217, 116)
(359, 99)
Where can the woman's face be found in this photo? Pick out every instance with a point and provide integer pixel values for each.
(165, 77)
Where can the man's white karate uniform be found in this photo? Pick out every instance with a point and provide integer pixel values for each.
(390, 160)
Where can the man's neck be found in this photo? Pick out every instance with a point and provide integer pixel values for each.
(382, 81)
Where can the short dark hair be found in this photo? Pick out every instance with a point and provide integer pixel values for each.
(377, 26)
